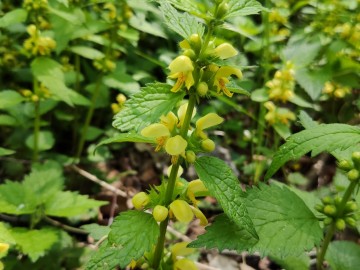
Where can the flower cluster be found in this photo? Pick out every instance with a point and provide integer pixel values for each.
(104, 65)
(278, 115)
(35, 4)
(37, 44)
(116, 107)
(336, 90)
(281, 87)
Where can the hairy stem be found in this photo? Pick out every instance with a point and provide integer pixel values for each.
(171, 184)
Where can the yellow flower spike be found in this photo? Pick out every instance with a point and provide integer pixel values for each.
(184, 45)
(140, 200)
(31, 29)
(175, 145)
(170, 120)
(181, 249)
(209, 120)
(160, 213)
(221, 78)
(208, 145)
(181, 68)
(225, 51)
(182, 113)
(4, 247)
(181, 210)
(200, 216)
(185, 264)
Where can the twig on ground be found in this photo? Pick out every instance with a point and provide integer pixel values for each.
(98, 181)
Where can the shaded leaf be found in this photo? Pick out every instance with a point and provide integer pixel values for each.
(243, 8)
(12, 17)
(343, 255)
(96, 231)
(9, 98)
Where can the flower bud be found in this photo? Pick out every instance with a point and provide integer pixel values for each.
(330, 210)
(319, 208)
(337, 200)
(350, 206)
(140, 200)
(222, 10)
(350, 221)
(4, 247)
(195, 41)
(225, 51)
(190, 53)
(353, 175)
(356, 158)
(202, 89)
(190, 156)
(208, 145)
(327, 200)
(35, 98)
(345, 165)
(340, 224)
(160, 213)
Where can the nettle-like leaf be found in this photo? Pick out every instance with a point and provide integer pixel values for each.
(68, 204)
(133, 233)
(325, 137)
(243, 8)
(146, 107)
(182, 23)
(5, 234)
(96, 231)
(192, 7)
(343, 255)
(34, 243)
(127, 137)
(285, 225)
(224, 186)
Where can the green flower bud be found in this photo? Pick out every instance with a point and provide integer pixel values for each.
(327, 200)
(190, 156)
(328, 221)
(350, 221)
(345, 165)
(350, 206)
(340, 224)
(337, 200)
(356, 158)
(202, 89)
(190, 53)
(195, 42)
(329, 210)
(319, 208)
(222, 10)
(353, 175)
(208, 145)
(160, 213)
(140, 200)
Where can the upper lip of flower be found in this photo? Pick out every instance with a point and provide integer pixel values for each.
(181, 68)
(221, 78)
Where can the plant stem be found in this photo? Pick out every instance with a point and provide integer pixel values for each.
(331, 230)
(36, 123)
(88, 118)
(171, 184)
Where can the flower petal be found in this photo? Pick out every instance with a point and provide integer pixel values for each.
(181, 249)
(225, 51)
(227, 71)
(185, 264)
(175, 145)
(181, 210)
(209, 120)
(181, 63)
(155, 131)
(200, 216)
(170, 120)
(182, 112)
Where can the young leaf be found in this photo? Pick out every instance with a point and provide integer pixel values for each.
(243, 8)
(34, 243)
(68, 204)
(343, 255)
(182, 23)
(9, 98)
(6, 152)
(127, 137)
(325, 137)
(224, 186)
(147, 106)
(285, 225)
(132, 234)
(223, 234)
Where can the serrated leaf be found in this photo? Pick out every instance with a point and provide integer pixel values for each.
(285, 225)
(6, 152)
(67, 15)
(87, 52)
(243, 8)
(343, 255)
(13, 17)
(325, 137)
(5, 234)
(139, 22)
(9, 98)
(222, 234)
(312, 81)
(182, 23)
(147, 106)
(127, 137)
(306, 121)
(96, 231)
(301, 52)
(133, 233)
(192, 7)
(69, 204)
(224, 186)
(34, 243)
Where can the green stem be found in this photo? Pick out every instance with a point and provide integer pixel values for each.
(36, 123)
(330, 233)
(88, 118)
(171, 184)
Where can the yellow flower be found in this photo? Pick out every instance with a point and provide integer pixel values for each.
(4, 247)
(170, 120)
(157, 131)
(196, 188)
(185, 264)
(199, 215)
(181, 210)
(175, 145)
(209, 120)
(140, 200)
(181, 68)
(160, 213)
(221, 78)
(182, 112)
(181, 249)
(278, 115)
(225, 51)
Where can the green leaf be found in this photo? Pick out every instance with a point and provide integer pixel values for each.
(325, 137)
(7, 120)
(5, 234)
(139, 22)
(87, 52)
(9, 98)
(306, 121)
(6, 152)
(96, 231)
(182, 23)
(343, 255)
(224, 186)
(46, 141)
(282, 129)
(243, 8)
(13, 17)
(312, 81)
(297, 100)
(67, 15)
(34, 243)
(301, 52)
(69, 204)
(222, 234)
(285, 225)
(133, 233)
(127, 137)
(301, 262)
(147, 106)
(260, 95)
